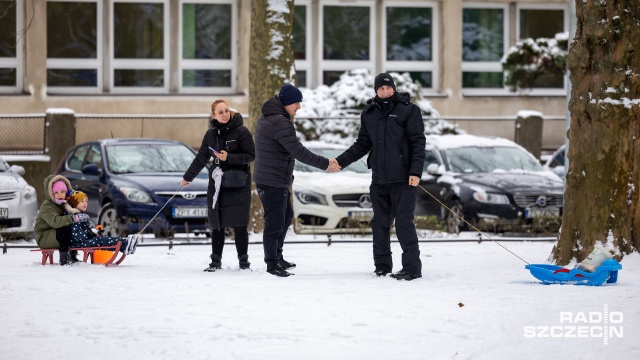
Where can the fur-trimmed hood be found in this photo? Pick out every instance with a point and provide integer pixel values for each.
(48, 185)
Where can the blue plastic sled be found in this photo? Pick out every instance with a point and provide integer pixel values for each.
(549, 274)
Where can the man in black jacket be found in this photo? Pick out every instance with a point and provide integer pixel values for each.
(392, 132)
(277, 148)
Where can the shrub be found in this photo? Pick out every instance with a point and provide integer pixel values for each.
(346, 98)
(529, 59)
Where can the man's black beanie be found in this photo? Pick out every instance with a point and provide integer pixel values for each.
(289, 94)
(383, 79)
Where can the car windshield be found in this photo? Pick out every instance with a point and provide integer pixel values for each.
(359, 166)
(148, 158)
(475, 159)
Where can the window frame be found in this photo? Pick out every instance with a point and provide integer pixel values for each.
(407, 66)
(18, 61)
(536, 6)
(305, 65)
(208, 64)
(345, 65)
(486, 66)
(97, 63)
(141, 64)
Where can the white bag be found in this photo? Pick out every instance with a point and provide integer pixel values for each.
(597, 257)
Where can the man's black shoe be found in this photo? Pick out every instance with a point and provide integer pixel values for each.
(278, 270)
(405, 275)
(381, 272)
(286, 265)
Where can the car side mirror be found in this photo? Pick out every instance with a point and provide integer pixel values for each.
(435, 169)
(17, 169)
(91, 169)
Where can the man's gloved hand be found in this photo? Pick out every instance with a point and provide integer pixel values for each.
(81, 217)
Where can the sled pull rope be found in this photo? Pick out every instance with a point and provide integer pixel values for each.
(162, 208)
(474, 228)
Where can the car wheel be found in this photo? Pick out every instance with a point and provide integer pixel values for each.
(108, 218)
(454, 223)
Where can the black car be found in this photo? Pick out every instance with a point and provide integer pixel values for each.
(493, 183)
(128, 181)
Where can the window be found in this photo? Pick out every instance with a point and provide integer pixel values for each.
(74, 162)
(540, 23)
(543, 22)
(11, 30)
(207, 60)
(139, 45)
(74, 40)
(484, 41)
(346, 39)
(410, 41)
(301, 47)
(95, 156)
(429, 158)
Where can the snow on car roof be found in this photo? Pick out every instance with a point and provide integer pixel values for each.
(465, 140)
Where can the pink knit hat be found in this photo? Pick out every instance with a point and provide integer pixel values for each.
(59, 185)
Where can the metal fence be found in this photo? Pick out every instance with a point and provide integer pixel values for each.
(22, 134)
(25, 134)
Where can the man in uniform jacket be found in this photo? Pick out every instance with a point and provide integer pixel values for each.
(392, 133)
(277, 148)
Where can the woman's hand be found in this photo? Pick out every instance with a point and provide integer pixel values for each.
(222, 155)
(185, 183)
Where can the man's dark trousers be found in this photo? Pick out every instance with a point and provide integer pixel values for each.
(395, 200)
(278, 214)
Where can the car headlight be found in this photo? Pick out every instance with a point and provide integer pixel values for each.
(135, 195)
(489, 198)
(310, 197)
(29, 193)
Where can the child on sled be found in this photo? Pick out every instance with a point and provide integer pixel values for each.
(85, 234)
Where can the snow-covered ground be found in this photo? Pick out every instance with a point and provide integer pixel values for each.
(475, 301)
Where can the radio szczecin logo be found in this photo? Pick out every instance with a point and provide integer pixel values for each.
(593, 324)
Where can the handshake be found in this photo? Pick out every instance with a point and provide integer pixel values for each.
(334, 166)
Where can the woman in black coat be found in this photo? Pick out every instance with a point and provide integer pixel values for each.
(231, 145)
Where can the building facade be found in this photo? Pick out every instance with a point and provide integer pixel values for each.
(176, 56)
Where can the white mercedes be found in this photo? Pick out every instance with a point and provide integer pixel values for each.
(331, 203)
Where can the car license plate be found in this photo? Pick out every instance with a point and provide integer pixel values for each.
(4, 213)
(549, 212)
(188, 212)
(361, 215)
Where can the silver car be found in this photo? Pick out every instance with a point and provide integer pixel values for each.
(18, 203)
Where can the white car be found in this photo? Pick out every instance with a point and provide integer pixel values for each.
(18, 203)
(331, 203)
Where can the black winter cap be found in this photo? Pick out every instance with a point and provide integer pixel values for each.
(383, 79)
(289, 94)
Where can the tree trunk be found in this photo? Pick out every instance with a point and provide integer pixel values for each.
(270, 66)
(602, 202)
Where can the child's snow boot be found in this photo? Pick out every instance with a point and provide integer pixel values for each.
(131, 244)
(65, 258)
